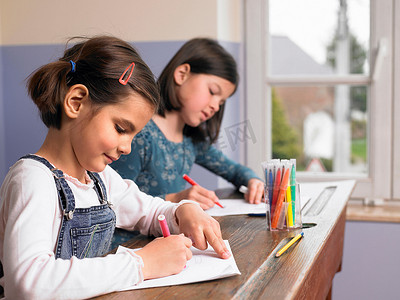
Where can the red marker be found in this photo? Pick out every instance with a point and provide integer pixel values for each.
(164, 225)
(192, 182)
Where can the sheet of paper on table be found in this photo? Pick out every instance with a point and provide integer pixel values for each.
(242, 207)
(236, 207)
(204, 265)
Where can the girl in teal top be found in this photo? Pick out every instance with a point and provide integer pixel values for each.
(157, 164)
(194, 87)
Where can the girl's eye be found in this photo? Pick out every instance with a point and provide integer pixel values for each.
(119, 129)
(212, 93)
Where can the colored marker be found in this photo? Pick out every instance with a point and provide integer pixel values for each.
(289, 244)
(277, 183)
(270, 186)
(164, 225)
(257, 214)
(293, 190)
(243, 189)
(289, 215)
(281, 198)
(192, 182)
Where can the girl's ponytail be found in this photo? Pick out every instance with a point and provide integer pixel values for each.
(47, 87)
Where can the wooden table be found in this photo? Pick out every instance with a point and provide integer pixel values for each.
(305, 271)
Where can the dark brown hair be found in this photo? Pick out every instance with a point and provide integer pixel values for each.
(99, 63)
(205, 56)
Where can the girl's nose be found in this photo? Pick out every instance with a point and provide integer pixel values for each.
(125, 146)
(215, 104)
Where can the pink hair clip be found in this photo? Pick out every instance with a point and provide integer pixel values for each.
(121, 79)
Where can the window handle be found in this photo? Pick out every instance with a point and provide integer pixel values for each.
(380, 56)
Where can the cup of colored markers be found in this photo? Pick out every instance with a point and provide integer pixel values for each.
(282, 194)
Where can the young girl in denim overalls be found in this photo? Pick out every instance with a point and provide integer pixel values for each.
(59, 207)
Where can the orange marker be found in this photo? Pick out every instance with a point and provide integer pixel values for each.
(281, 198)
(192, 182)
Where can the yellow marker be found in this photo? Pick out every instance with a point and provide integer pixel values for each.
(289, 215)
(287, 246)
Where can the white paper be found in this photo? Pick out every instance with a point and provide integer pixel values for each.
(242, 207)
(236, 207)
(204, 265)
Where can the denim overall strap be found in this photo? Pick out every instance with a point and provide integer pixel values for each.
(63, 190)
(100, 188)
(84, 232)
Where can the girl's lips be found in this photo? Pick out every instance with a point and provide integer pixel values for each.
(110, 158)
(205, 116)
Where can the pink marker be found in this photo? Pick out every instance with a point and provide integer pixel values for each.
(164, 225)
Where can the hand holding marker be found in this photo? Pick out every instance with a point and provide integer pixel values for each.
(192, 182)
(164, 226)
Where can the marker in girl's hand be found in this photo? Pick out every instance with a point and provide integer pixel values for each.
(243, 189)
(164, 225)
(192, 182)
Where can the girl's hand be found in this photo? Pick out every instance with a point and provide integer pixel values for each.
(201, 228)
(204, 197)
(255, 191)
(165, 256)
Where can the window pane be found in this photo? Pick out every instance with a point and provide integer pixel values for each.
(315, 37)
(323, 127)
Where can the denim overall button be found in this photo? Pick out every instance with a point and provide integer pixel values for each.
(69, 215)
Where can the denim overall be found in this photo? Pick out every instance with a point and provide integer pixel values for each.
(84, 232)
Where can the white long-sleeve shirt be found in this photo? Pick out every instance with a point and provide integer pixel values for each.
(30, 219)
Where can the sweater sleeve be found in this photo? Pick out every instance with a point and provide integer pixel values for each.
(215, 161)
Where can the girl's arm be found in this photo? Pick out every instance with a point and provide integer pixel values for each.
(201, 195)
(30, 221)
(138, 211)
(214, 160)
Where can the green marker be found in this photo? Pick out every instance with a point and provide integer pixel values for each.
(293, 189)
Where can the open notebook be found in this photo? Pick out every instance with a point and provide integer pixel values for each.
(204, 265)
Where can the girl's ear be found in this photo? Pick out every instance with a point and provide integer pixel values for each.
(76, 97)
(181, 73)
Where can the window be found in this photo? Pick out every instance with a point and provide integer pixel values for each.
(320, 89)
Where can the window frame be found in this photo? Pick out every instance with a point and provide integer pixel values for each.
(379, 183)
